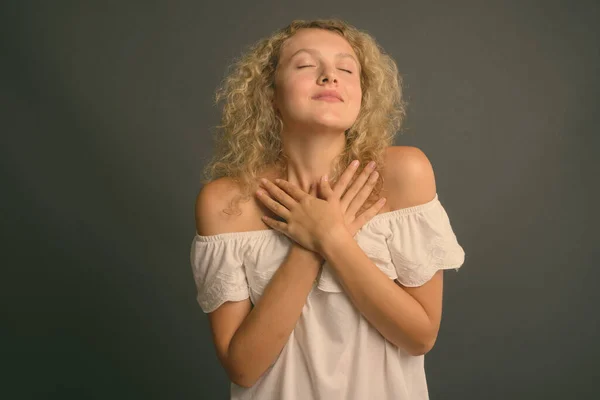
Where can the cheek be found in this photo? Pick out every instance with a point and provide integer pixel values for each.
(356, 94)
(295, 91)
(355, 87)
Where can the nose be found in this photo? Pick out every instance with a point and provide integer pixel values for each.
(327, 76)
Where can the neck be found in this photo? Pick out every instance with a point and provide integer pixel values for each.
(310, 156)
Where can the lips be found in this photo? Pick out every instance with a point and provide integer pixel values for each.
(329, 99)
(328, 95)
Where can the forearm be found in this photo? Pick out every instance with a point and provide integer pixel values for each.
(398, 316)
(259, 340)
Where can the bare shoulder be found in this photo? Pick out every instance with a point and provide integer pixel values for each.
(408, 176)
(212, 209)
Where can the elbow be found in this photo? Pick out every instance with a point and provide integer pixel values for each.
(245, 376)
(422, 347)
(244, 384)
(241, 379)
(420, 350)
(242, 368)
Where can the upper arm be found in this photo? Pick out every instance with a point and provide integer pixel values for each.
(411, 181)
(211, 220)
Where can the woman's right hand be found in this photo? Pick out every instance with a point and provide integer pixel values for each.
(353, 199)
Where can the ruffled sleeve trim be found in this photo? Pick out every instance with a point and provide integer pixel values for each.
(421, 242)
(218, 268)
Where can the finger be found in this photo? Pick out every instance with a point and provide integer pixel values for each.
(294, 191)
(277, 225)
(274, 206)
(342, 183)
(315, 192)
(364, 193)
(325, 189)
(278, 194)
(370, 212)
(356, 185)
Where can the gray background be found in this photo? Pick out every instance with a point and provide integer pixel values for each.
(107, 115)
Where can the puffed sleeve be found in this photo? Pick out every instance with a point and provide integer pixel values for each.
(218, 269)
(421, 242)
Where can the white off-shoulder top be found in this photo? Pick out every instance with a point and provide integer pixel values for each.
(333, 352)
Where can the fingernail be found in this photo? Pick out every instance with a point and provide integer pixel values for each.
(382, 200)
(324, 178)
(371, 164)
(354, 163)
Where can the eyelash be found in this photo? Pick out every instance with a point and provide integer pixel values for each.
(304, 66)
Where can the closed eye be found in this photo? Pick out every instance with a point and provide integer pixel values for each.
(341, 69)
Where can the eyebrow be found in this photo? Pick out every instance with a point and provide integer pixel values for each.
(315, 52)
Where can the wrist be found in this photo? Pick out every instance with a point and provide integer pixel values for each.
(335, 239)
(307, 255)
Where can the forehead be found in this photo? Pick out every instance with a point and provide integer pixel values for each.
(326, 42)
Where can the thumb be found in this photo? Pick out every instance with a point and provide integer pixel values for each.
(325, 189)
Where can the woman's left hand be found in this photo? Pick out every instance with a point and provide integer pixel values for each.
(309, 220)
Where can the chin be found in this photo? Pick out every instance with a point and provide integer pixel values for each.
(330, 126)
(332, 123)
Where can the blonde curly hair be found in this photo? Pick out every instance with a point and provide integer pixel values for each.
(248, 139)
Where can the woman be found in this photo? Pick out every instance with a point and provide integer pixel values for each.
(320, 288)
